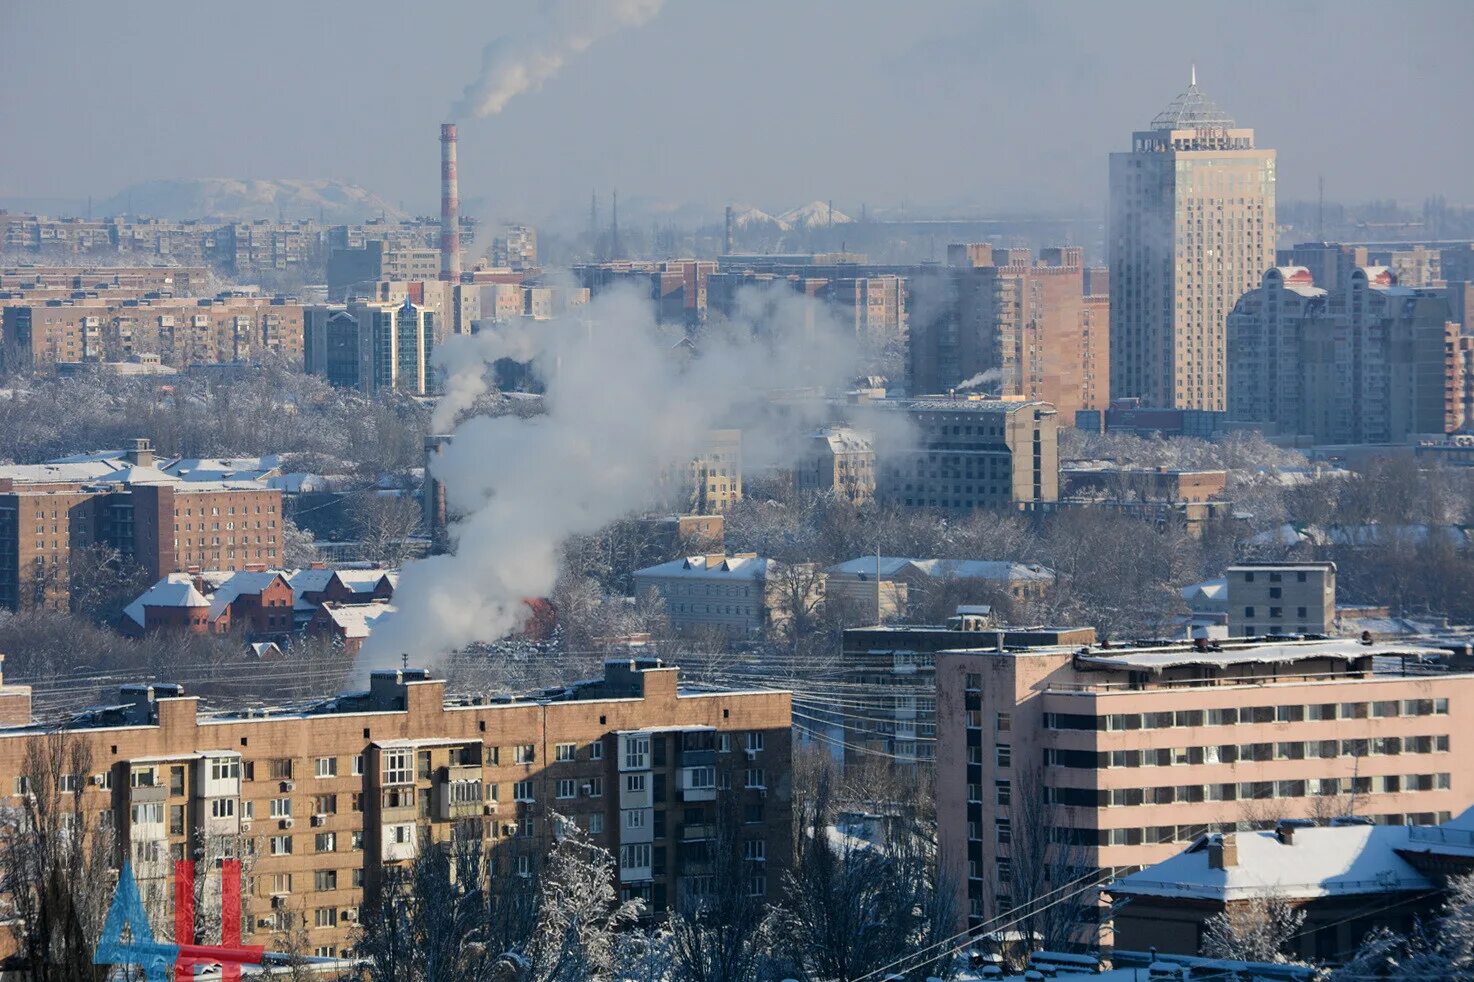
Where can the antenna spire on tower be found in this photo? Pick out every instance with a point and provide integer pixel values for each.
(1192, 78)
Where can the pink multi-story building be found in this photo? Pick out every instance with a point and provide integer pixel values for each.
(1118, 757)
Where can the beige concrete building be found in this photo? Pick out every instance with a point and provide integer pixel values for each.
(1135, 751)
(739, 595)
(1369, 362)
(840, 460)
(180, 332)
(968, 452)
(712, 482)
(1191, 228)
(906, 583)
(319, 802)
(1281, 598)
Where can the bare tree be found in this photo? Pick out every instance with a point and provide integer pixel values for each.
(103, 582)
(384, 523)
(1049, 882)
(1259, 929)
(54, 863)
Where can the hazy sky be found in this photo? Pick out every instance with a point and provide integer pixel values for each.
(776, 102)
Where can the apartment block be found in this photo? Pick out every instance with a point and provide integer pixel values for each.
(998, 321)
(1368, 363)
(740, 595)
(711, 483)
(1135, 751)
(515, 248)
(969, 452)
(677, 287)
(51, 512)
(838, 460)
(901, 659)
(179, 332)
(1281, 598)
(372, 346)
(183, 281)
(320, 802)
(882, 587)
(1191, 228)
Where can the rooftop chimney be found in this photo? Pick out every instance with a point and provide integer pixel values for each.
(1223, 851)
(140, 453)
(450, 207)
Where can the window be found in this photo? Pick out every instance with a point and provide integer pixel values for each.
(522, 791)
(755, 778)
(753, 742)
(281, 883)
(1003, 792)
(279, 769)
(399, 767)
(596, 824)
(326, 917)
(637, 753)
(595, 787)
(527, 827)
(327, 767)
(325, 879)
(1004, 723)
(634, 818)
(634, 783)
(281, 845)
(524, 753)
(973, 681)
(755, 851)
(1003, 829)
(357, 765)
(222, 807)
(355, 841)
(1003, 755)
(596, 750)
(565, 752)
(326, 842)
(567, 788)
(281, 807)
(524, 866)
(225, 769)
(724, 743)
(635, 856)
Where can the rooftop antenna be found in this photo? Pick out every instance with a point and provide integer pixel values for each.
(1192, 79)
(404, 660)
(1320, 210)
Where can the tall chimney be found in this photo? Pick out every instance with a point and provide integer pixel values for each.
(450, 207)
(727, 234)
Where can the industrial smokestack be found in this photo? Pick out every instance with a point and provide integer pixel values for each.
(727, 234)
(450, 207)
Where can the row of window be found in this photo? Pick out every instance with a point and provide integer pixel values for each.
(1233, 716)
(1248, 790)
(1231, 753)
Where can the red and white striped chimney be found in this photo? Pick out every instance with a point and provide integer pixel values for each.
(450, 206)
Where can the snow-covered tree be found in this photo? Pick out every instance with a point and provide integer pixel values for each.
(1257, 930)
(1440, 949)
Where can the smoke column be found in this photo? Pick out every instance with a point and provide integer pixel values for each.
(623, 406)
(518, 63)
(981, 378)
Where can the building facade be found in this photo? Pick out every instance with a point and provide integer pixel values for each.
(1191, 228)
(1368, 363)
(837, 460)
(320, 803)
(738, 595)
(1122, 755)
(1281, 598)
(969, 453)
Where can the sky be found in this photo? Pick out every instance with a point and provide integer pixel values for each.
(970, 105)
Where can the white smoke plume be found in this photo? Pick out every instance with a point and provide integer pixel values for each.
(516, 63)
(980, 379)
(623, 406)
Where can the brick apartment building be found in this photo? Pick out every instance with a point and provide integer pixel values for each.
(319, 802)
(50, 512)
(970, 452)
(180, 332)
(183, 281)
(1025, 324)
(1136, 751)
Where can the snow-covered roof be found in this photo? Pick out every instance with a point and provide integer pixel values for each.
(1316, 862)
(712, 568)
(240, 583)
(1157, 659)
(844, 439)
(356, 620)
(1206, 590)
(174, 590)
(223, 468)
(66, 472)
(310, 580)
(362, 580)
(962, 569)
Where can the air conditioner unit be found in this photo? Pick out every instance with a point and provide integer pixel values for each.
(288, 786)
(350, 915)
(99, 779)
(319, 819)
(278, 902)
(245, 825)
(489, 808)
(588, 789)
(266, 922)
(509, 828)
(286, 823)
(762, 792)
(751, 753)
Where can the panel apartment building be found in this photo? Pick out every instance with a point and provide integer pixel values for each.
(181, 332)
(319, 802)
(1027, 328)
(51, 512)
(1364, 362)
(1136, 751)
(968, 452)
(1191, 229)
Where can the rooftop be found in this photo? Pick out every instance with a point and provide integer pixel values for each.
(1157, 659)
(744, 566)
(1192, 110)
(962, 569)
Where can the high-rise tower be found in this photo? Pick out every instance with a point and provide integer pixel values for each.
(450, 206)
(1191, 230)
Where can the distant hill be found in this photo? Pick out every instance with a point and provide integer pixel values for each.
(815, 214)
(226, 197)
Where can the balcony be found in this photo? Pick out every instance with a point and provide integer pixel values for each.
(148, 792)
(699, 832)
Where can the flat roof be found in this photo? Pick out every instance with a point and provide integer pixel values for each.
(1157, 659)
